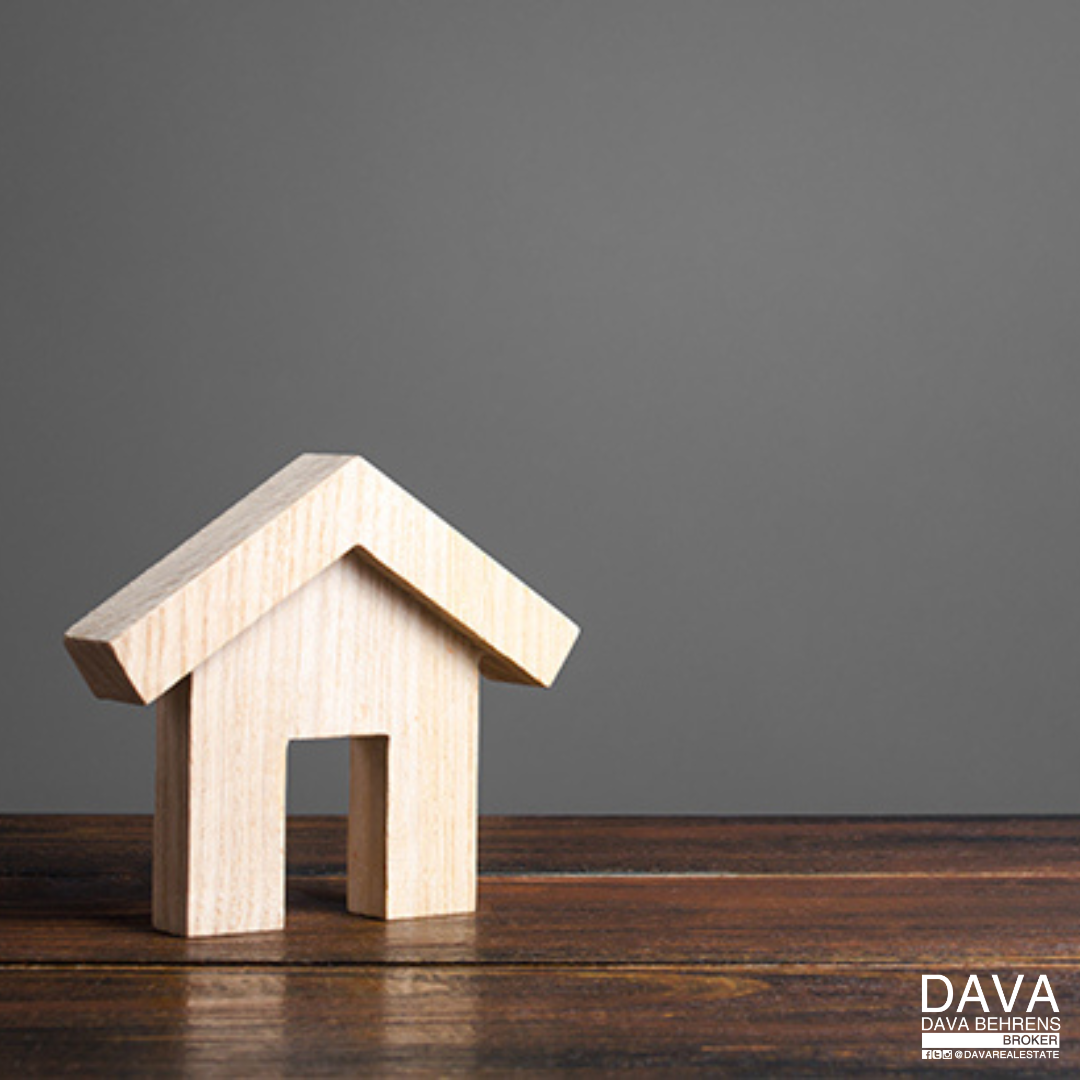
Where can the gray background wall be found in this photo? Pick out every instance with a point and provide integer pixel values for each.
(746, 332)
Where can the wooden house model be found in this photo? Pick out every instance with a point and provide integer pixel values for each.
(327, 603)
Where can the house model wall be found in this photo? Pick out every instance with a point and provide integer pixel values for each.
(327, 603)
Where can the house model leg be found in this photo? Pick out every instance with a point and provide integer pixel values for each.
(219, 822)
(412, 797)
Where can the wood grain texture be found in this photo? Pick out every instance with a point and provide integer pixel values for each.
(803, 958)
(158, 629)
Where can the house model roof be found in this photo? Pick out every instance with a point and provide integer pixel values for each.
(158, 629)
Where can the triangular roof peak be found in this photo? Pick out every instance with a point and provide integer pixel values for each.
(158, 629)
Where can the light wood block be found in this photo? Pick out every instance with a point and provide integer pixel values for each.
(328, 603)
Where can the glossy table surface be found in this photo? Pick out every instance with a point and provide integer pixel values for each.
(767, 946)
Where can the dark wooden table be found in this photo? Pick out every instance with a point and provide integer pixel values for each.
(751, 946)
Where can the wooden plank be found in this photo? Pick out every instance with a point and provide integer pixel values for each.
(168, 621)
(775, 845)
(119, 846)
(634, 920)
(305, 1022)
(73, 889)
